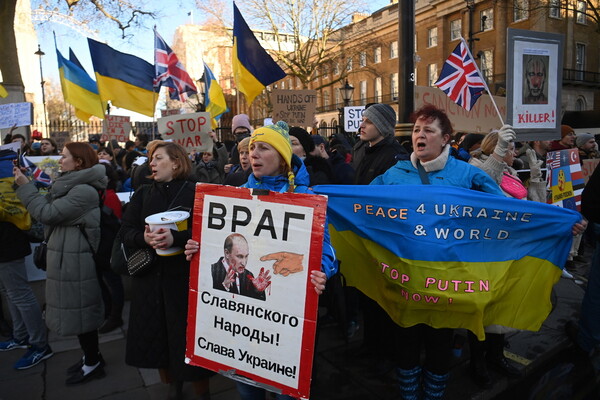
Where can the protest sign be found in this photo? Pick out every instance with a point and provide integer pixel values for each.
(296, 107)
(450, 257)
(588, 168)
(259, 327)
(189, 130)
(565, 178)
(353, 118)
(116, 127)
(60, 137)
(169, 111)
(19, 114)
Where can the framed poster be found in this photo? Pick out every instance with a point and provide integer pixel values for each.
(533, 83)
(252, 308)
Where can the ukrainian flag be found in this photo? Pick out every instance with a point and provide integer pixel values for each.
(253, 67)
(214, 99)
(78, 88)
(450, 257)
(3, 92)
(124, 79)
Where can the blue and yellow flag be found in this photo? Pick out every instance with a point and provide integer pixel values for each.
(450, 257)
(214, 99)
(253, 67)
(78, 88)
(124, 79)
(3, 92)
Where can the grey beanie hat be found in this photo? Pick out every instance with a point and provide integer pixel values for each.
(582, 138)
(383, 117)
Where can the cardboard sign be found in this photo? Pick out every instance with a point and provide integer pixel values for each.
(170, 111)
(565, 178)
(188, 130)
(60, 137)
(353, 118)
(242, 324)
(588, 168)
(19, 114)
(116, 127)
(480, 119)
(296, 107)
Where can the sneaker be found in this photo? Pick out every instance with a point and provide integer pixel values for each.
(33, 357)
(13, 344)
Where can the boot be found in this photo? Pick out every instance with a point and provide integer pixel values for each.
(495, 356)
(410, 382)
(434, 385)
(478, 366)
(113, 321)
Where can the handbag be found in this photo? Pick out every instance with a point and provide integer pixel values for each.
(40, 251)
(140, 260)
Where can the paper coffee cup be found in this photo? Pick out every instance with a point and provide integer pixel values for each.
(175, 220)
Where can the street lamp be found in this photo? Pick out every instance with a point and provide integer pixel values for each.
(346, 92)
(471, 8)
(40, 53)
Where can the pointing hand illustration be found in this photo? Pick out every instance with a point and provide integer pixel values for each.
(285, 263)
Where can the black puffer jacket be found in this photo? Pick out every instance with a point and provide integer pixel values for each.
(370, 162)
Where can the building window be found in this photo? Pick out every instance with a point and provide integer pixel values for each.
(377, 55)
(326, 98)
(394, 86)
(487, 19)
(290, 83)
(554, 8)
(455, 29)
(282, 85)
(394, 49)
(432, 37)
(432, 74)
(363, 59)
(363, 92)
(378, 89)
(349, 64)
(520, 10)
(580, 104)
(581, 11)
(487, 65)
(338, 99)
(336, 69)
(580, 59)
(326, 71)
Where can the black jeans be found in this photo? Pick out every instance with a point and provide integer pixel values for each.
(436, 342)
(89, 344)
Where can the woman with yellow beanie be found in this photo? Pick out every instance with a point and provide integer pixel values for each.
(276, 168)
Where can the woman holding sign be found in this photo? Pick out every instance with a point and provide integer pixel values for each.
(157, 322)
(274, 167)
(430, 163)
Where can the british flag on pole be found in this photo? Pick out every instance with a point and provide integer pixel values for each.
(460, 78)
(170, 71)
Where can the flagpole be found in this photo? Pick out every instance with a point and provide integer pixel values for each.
(154, 90)
(483, 79)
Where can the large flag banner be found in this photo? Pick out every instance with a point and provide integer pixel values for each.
(214, 99)
(252, 307)
(124, 79)
(189, 130)
(565, 178)
(253, 67)
(450, 257)
(169, 71)
(11, 208)
(78, 88)
(460, 78)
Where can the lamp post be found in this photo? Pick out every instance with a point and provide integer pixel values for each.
(40, 54)
(346, 91)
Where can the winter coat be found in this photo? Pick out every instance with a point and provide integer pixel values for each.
(73, 300)
(280, 183)
(159, 296)
(371, 161)
(213, 171)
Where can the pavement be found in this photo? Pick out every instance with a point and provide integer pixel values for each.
(551, 368)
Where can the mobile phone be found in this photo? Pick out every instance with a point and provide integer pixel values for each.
(17, 162)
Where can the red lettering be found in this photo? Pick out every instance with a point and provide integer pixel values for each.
(198, 140)
(170, 130)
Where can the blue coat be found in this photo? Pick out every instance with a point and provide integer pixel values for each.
(455, 173)
(280, 183)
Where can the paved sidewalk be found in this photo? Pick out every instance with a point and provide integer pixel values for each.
(340, 371)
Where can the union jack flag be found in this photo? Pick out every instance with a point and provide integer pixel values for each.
(169, 71)
(460, 78)
(38, 174)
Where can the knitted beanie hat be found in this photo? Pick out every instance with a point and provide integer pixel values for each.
(583, 138)
(240, 121)
(277, 136)
(383, 117)
(565, 130)
(304, 138)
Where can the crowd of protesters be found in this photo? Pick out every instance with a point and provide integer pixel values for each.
(85, 296)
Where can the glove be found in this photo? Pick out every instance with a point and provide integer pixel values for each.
(535, 171)
(505, 136)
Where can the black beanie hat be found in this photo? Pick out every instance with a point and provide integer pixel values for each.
(304, 137)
